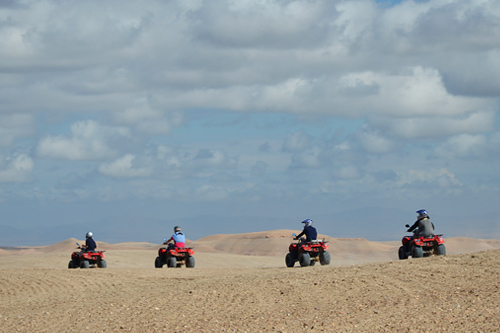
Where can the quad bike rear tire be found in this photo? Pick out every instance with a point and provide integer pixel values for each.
(440, 250)
(417, 251)
(289, 260)
(324, 258)
(102, 264)
(402, 253)
(190, 262)
(171, 261)
(158, 263)
(304, 259)
(84, 264)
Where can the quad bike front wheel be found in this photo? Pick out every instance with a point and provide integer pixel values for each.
(289, 260)
(158, 263)
(402, 253)
(84, 264)
(102, 264)
(304, 259)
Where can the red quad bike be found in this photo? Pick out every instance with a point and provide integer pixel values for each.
(84, 259)
(175, 257)
(307, 253)
(421, 246)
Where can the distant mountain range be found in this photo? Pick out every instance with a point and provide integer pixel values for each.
(370, 223)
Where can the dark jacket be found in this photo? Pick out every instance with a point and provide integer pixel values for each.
(90, 244)
(310, 232)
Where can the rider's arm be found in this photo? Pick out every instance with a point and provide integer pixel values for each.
(413, 227)
(301, 234)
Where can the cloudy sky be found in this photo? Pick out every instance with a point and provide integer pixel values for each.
(236, 108)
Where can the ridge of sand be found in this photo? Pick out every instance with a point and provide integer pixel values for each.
(454, 293)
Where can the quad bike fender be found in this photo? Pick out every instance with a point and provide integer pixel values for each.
(181, 251)
(406, 240)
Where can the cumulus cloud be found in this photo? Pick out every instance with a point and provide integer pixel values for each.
(124, 167)
(88, 141)
(16, 168)
(15, 126)
(296, 142)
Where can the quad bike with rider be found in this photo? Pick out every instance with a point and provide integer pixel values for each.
(307, 253)
(175, 257)
(421, 246)
(87, 259)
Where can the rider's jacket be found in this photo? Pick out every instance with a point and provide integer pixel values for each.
(90, 244)
(179, 239)
(425, 227)
(310, 232)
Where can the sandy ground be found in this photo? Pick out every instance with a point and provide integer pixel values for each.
(235, 292)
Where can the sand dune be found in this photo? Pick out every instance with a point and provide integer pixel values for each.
(230, 292)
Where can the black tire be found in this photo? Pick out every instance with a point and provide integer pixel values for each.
(158, 263)
(171, 261)
(325, 258)
(72, 264)
(312, 262)
(289, 260)
(84, 264)
(102, 264)
(417, 251)
(190, 262)
(441, 250)
(304, 259)
(402, 253)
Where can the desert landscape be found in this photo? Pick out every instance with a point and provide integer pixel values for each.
(240, 283)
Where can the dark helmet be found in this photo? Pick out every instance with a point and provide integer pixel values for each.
(177, 228)
(422, 214)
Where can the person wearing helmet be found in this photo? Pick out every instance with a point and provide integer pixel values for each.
(178, 238)
(423, 227)
(309, 231)
(90, 244)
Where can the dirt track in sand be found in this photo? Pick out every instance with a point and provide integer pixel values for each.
(459, 292)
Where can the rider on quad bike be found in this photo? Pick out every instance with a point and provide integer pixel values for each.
(309, 231)
(176, 254)
(90, 244)
(423, 242)
(178, 238)
(309, 250)
(88, 256)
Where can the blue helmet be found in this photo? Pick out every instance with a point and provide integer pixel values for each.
(307, 222)
(422, 214)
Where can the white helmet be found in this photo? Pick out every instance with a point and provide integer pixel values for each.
(89, 235)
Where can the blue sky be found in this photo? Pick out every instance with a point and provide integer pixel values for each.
(251, 110)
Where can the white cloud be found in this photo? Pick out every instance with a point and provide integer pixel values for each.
(88, 141)
(296, 142)
(375, 143)
(442, 177)
(15, 126)
(17, 168)
(436, 127)
(124, 167)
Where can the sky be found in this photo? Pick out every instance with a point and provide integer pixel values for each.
(237, 116)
